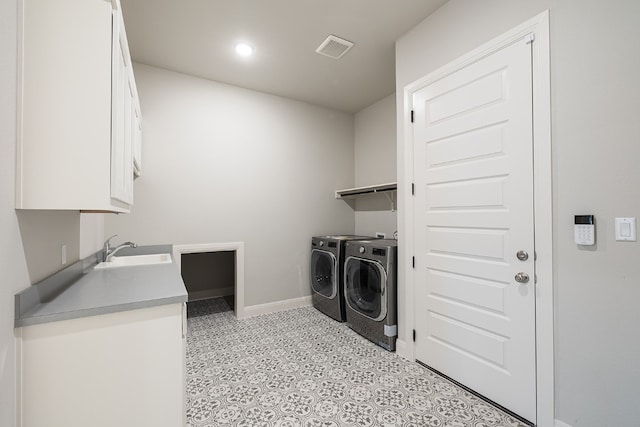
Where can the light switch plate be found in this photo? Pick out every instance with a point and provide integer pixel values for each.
(625, 229)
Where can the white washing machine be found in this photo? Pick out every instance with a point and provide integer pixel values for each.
(370, 289)
(327, 261)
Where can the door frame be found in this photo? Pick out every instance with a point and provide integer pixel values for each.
(237, 248)
(542, 195)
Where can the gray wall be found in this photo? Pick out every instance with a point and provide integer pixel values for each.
(92, 233)
(595, 107)
(375, 163)
(29, 241)
(225, 164)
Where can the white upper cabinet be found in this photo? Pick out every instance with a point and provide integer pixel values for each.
(79, 115)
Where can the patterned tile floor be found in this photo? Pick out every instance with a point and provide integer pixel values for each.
(301, 368)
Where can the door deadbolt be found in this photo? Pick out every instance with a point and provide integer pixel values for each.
(522, 277)
(522, 255)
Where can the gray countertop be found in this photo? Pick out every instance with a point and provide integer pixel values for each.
(80, 291)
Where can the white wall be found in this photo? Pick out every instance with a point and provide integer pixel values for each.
(375, 163)
(596, 132)
(225, 164)
(29, 241)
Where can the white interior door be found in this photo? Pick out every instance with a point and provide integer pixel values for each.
(473, 213)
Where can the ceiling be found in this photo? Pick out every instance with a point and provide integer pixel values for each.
(198, 37)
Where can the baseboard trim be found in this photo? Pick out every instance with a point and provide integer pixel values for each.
(274, 307)
(559, 423)
(210, 293)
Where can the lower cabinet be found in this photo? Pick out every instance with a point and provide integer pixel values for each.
(120, 369)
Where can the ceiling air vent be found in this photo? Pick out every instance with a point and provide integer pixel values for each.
(334, 47)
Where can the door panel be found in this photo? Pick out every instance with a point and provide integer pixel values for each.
(484, 294)
(468, 340)
(473, 211)
(465, 97)
(471, 193)
(471, 145)
(477, 243)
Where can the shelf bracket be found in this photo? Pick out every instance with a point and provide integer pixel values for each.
(391, 199)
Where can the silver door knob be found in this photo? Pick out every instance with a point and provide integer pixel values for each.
(522, 277)
(522, 255)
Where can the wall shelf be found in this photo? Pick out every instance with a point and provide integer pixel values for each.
(357, 191)
(387, 189)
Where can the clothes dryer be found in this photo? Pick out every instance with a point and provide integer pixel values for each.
(327, 261)
(370, 289)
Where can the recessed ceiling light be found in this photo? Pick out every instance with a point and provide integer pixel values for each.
(244, 49)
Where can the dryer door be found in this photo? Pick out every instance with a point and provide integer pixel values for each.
(323, 273)
(365, 287)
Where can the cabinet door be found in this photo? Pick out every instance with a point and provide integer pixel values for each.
(122, 100)
(120, 369)
(137, 140)
(64, 95)
(129, 136)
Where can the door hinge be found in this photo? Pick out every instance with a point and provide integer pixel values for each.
(413, 262)
(413, 189)
(414, 335)
(529, 38)
(412, 112)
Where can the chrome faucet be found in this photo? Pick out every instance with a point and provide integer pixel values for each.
(108, 251)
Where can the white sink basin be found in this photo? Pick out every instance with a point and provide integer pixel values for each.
(135, 260)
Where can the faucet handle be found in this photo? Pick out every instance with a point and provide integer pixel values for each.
(106, 248)
(107, 242)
